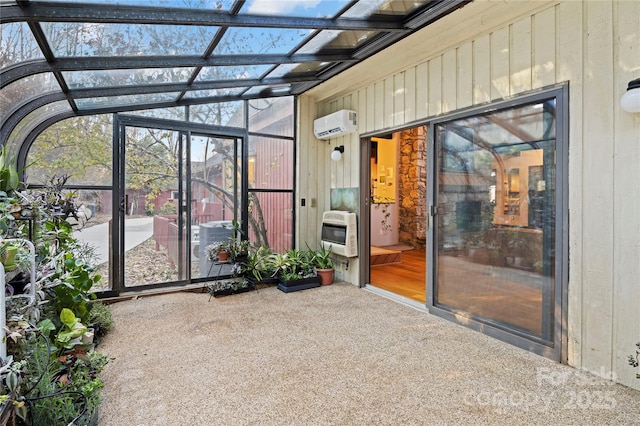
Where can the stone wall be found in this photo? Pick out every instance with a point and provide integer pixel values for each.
(412, 187)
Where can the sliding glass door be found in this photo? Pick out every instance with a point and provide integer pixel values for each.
(179, 190)
(496, 241)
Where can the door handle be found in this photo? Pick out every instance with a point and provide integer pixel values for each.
(433, 212)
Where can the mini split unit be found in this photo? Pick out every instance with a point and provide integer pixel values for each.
(336, 124)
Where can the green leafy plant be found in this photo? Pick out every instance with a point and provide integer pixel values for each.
(322, 257)
(11, 383)
(384, 203)
(233, 285)
(291, 276)
(69, 286)
(9, 179)
(68, 388)
(238, 249)
(168, 208)
(43, 388)
(8, 252)
(259, 264)
(10, 209)
(280, 263)
(214, 248)
(100, 318)
(297, 263)
(71, 331)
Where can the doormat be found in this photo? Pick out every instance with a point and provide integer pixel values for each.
(384, 256)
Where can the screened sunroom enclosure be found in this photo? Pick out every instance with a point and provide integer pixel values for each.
(173, 175)
(173, 119)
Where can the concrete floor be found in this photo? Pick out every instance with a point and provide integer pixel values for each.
(334, 355)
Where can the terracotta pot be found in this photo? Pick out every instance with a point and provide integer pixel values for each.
(223, 256)
(326, 276)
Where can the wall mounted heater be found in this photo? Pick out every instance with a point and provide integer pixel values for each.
(336, 124)
(339, 231)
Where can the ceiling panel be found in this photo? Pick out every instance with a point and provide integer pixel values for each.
(111, 78)
(99, 39)
(117, 55)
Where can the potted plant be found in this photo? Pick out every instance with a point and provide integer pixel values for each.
(228, 287)
(259, 266)
(238, 250)
(218, 251)
(8, 253)
(16, 259)
(9, 176)
(297, 270)
(323, 264)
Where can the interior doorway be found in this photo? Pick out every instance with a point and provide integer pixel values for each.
(398, 214)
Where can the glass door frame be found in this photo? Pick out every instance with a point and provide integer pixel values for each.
(558, 349)
(185, 129)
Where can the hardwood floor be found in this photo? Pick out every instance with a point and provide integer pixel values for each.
(407, 278)
(502, 294)
(505, 295)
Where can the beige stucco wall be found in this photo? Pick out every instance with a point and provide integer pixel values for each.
(493, 50)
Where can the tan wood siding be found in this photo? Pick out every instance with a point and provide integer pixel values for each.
(481, 69)
(492, 50)
(598, 187)
(626, 192)
(568, 65)
(464, 58)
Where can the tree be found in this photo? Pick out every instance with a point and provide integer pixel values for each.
(82, 147)
(77, 147)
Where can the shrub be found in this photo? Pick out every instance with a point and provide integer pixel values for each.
(100, 318)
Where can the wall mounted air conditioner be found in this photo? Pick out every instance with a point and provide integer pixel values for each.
(336, 124)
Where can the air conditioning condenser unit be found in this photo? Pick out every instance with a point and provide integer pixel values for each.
(335, 124)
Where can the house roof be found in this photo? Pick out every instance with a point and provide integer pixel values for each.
(63, 58)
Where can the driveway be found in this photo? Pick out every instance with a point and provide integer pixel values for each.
(136, 231)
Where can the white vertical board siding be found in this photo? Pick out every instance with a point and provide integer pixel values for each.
(464, 57)
(520, 56)
(399, 96)
(568, 65)
(387, 102)
(499, 61)
(493, 50)
(481, 69)
(410, 94)
(422, 91)
(449, 81)
(378, 105)
(598, 186)
(370, 113)
(543, 48)
(435, 86)
(312, 174)
(351, 159)
(626, 201)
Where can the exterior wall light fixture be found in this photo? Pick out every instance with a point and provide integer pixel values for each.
(337, 152)
(630, 101)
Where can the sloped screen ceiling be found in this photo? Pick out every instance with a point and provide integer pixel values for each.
(102, 56)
